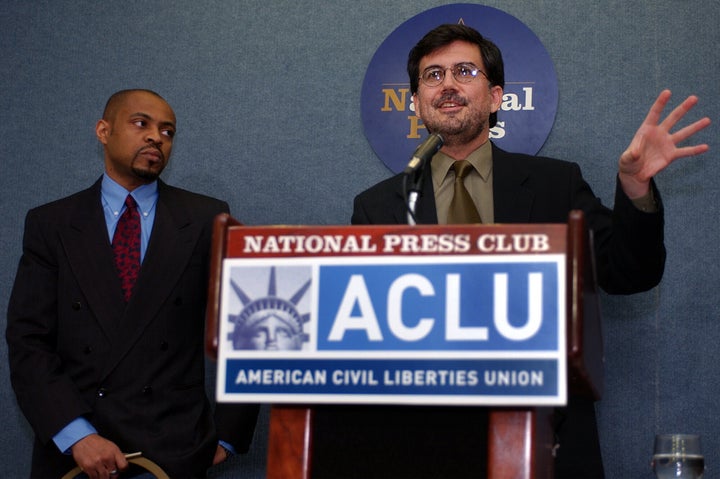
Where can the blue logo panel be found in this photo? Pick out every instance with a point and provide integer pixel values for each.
(450, 307)
(342, 377)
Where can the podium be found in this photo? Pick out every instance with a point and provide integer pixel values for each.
(520, 438)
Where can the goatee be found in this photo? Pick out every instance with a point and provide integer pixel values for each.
(147, 175)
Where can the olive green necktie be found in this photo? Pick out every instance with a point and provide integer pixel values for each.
(462, 209)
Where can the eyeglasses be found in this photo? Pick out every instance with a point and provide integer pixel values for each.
(462, 72)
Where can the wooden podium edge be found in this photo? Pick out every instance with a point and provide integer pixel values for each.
(289, 454)
(584, 324)
(218, 248)
(520, 443)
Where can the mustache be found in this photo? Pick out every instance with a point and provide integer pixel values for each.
(154, 148)
(451, 97)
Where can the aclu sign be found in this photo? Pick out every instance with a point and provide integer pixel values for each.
(376, 315)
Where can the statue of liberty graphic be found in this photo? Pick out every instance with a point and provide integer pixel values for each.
(270, 322)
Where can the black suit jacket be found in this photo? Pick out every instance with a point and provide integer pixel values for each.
(135, 371)
(426, 442)
(629, 243)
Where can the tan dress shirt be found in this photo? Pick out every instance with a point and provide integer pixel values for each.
(479, 184)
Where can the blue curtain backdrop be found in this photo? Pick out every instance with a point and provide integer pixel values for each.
(267, 90)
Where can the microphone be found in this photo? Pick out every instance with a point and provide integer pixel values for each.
(424, 152)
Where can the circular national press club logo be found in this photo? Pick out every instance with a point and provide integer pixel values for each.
(529, 101)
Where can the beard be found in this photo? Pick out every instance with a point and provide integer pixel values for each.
(149, 172)
(146, 174)
(456, 129)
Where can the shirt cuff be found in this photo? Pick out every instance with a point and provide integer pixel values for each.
(646, 203)
(230, 450)
(72, 433)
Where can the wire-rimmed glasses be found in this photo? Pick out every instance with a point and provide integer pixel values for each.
(461, 72)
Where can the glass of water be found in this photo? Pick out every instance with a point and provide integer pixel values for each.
(678, 456)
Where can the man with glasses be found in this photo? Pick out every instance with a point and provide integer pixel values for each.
(457, 81)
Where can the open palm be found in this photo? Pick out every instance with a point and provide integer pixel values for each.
(654, 146)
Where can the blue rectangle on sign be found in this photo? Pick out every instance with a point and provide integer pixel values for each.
(338, 377)
(452, 306)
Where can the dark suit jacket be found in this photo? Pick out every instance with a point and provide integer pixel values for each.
(135, 371)
(629, 243)
(428, 442)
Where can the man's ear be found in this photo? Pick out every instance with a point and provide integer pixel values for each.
(102, 131)
(497, 95)
(417, 104)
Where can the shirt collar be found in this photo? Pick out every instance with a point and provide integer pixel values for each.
(114, 195)
(481, 159)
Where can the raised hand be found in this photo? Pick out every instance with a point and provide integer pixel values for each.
(654, 146)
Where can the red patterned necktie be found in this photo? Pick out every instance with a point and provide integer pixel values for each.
(126, 247)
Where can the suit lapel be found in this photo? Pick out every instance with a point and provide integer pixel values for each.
(172, 243)
(399, 208)
(426, 212)
(512, 200)
(87, 246)
(424, 208)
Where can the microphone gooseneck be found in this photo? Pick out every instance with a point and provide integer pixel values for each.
(424, 152)
(413, 173)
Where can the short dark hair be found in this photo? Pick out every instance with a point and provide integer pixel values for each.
(446, 34)
(117, 98)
